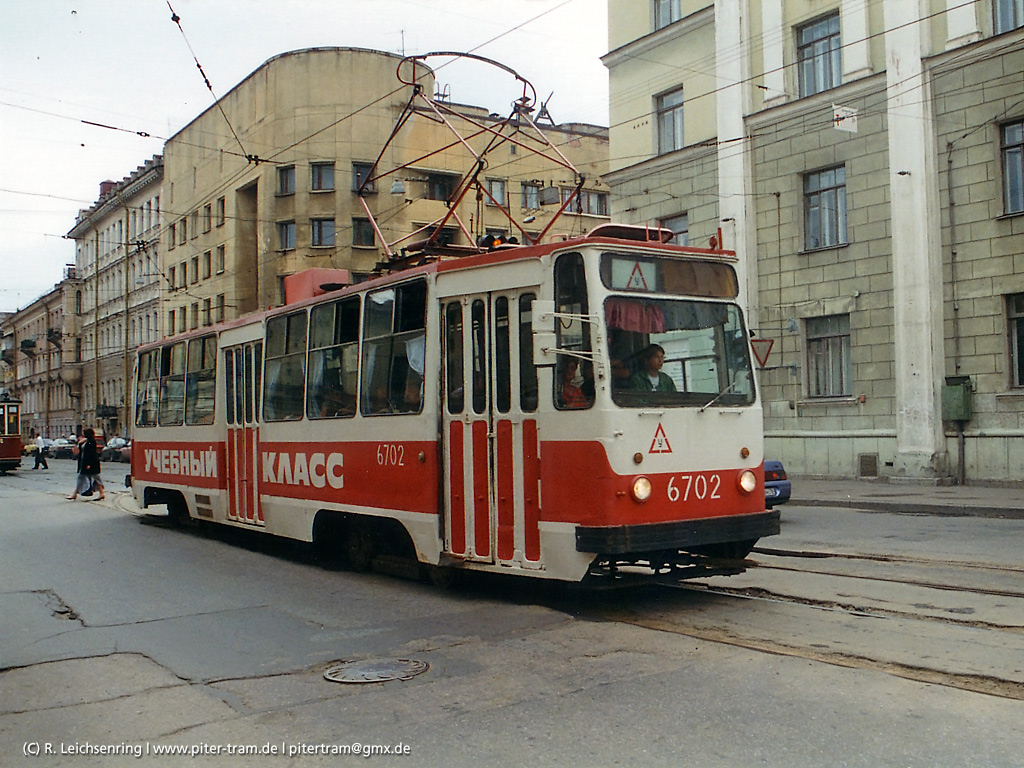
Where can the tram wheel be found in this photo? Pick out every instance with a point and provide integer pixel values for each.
(359, 546)
(442, 576)
(177, 512)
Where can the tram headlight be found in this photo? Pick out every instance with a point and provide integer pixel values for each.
(641, 489)
(746, 481)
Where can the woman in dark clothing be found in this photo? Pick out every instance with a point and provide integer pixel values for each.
(88, 467)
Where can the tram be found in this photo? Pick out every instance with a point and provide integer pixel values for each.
(570, 408)
(10, 433)
(578, 410)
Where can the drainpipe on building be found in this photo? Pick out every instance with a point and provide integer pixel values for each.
(961, 461)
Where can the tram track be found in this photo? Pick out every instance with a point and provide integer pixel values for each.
(758, 593)
(894, 559)
(983, 684)
(791, 603)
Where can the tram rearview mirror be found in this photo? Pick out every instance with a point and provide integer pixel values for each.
(543, 326)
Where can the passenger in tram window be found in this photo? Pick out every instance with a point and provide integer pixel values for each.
(588, 388)
(620, 374)
(413, 392)
(571, 396)
(652, 379)
(336, 402)
(379, 400)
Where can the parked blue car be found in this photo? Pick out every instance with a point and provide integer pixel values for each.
(777, 487)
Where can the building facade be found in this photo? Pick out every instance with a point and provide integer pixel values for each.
(865, 159)
(114, 303)
(265, 185)
(32, 354)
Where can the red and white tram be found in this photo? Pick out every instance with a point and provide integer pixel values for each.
(573, 409)
(10, 433)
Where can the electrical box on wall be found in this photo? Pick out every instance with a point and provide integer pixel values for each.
(956, 399)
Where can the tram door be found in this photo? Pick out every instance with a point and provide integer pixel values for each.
(242, 368)
(491, 445)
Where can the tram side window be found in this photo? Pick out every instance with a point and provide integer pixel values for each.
(200, 380)
(333, 370)
(454, 382)
(229, 386)
(527, 370)
(147, 390)
(13, 422)
(286, 367)
(172, 385)
(502, 356)
(393, 349)
(574, 381)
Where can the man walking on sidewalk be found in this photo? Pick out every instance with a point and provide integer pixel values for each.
(41, 453)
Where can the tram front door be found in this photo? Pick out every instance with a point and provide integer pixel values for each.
(490, 439)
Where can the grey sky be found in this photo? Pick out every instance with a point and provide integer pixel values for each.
(124, 64)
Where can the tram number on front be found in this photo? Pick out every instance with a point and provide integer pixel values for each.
(698, 487)
(389, 455)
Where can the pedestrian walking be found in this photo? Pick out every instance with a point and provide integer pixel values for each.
(89, 480)
(41, 453)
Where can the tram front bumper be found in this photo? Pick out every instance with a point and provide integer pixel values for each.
(678, 534)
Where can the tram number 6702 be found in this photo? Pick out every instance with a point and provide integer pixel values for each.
(389, 455)
(698, 487)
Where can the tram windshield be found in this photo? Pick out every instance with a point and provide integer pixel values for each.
(677, 352)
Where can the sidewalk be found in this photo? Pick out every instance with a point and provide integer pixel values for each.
(910, 497)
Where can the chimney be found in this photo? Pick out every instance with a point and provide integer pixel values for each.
(106, 187)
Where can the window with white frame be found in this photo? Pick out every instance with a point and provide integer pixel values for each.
(587, 201)
(828, 356)
(680, 228)
(666, 12)
(323, 233)
(825, 208)
(1012, 151)
(531, 196)
(818, 55)
(1015, 318)
(1009, 14)
(496, 187)
(322, 177)
(670, 121)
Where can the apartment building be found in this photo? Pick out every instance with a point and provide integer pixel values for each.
(113, 303)
(865, 159)
(267, 183)
(32, 354)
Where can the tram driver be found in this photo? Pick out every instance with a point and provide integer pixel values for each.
(652, 378)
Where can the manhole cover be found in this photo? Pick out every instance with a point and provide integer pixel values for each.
(375, 670)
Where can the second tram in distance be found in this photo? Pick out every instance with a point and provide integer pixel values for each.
(573, 410)
(10, 433)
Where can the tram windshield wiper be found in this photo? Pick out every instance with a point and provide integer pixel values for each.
(719, 396)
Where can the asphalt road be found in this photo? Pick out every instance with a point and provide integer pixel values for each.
(853, 639)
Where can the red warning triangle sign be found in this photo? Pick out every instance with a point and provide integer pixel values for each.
(636, 278)
(660, 442)
(762, 348)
